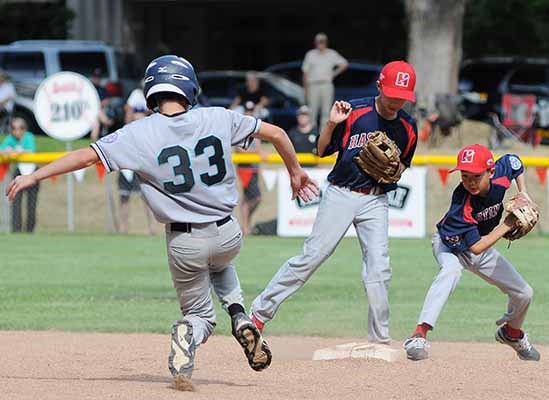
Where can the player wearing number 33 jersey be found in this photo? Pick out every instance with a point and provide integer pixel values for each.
(183, 160)
(186, 172)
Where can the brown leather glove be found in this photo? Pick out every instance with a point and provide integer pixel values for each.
(380, 158)
(526, 213)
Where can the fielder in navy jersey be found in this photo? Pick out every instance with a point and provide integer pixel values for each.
(464, 239)
(353, 198)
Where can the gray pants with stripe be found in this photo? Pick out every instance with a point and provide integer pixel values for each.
(320, 98)
(490, 266)
(339, 209)
(202, 260)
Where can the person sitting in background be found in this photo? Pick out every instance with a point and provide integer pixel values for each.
(111, 116)
(249, 179)
(304, 135)
(19, 141)
(7, 100)
(136, 105)
(252, 92)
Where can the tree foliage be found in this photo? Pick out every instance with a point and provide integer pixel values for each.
(28, 20)
(509, 27)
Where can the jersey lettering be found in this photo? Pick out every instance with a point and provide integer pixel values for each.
(488, 213)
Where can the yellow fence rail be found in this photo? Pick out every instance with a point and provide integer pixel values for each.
(239, 158)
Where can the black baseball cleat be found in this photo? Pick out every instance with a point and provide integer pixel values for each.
(256, 349)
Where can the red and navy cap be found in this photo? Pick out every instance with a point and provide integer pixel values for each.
(398, 80)
(475, 159)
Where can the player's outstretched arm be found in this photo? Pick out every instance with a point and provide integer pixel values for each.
(72, 161)
(302, 185)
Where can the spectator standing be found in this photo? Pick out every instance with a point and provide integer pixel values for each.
(253, 92)
(19, 141)
(249, 179)
(320, 66)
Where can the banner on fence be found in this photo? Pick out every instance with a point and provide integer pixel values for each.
(406, 205)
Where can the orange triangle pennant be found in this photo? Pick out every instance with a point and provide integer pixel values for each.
(3, 171)
(245, 175)
(443, 174)
(100, 168)
(541, 172)
(425, 131)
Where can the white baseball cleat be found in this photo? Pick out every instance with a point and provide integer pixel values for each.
(522, 346)
(181, 359)
(416, 348)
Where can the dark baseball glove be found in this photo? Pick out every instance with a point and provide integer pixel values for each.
(380, 158)
(526, 213)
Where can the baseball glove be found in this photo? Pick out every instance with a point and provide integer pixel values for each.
(526, 213)
(380, 158)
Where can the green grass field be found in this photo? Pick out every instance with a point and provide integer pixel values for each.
(121, 283)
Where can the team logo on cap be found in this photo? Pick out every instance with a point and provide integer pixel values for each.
(402, 79)
(468, 156)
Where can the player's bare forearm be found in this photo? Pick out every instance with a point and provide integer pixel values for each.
(521, 183)
(282, 144)
(325, 137)
(71, 162)
(490, 239)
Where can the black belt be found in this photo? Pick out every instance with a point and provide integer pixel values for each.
(186, 226)
(369, 190)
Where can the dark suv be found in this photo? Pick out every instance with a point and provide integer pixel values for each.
(483, 83)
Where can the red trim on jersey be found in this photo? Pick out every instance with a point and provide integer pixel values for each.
(355, 114)
(411, 136)
(502, 181)
(468, 211)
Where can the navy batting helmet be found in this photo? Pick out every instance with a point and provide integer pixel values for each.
(170, 74)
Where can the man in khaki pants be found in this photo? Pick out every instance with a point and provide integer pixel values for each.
(320, 66)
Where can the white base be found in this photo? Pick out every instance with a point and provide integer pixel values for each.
(359, 350)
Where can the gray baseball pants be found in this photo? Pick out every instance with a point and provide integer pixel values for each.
(339, 208)
(490, 266)
(199, 261)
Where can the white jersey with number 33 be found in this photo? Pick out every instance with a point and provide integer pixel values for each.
(183, 162)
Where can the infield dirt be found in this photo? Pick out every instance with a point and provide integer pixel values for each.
(59, 365)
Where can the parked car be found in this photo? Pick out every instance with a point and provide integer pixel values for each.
(219, 88)
(359, 80)
(28, 62)
(483, 83)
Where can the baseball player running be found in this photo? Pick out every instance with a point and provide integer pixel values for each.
(182, 157)
(354, 197)
(464, 239)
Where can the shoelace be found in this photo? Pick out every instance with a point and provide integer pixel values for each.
(418, 342)
(524, 344)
